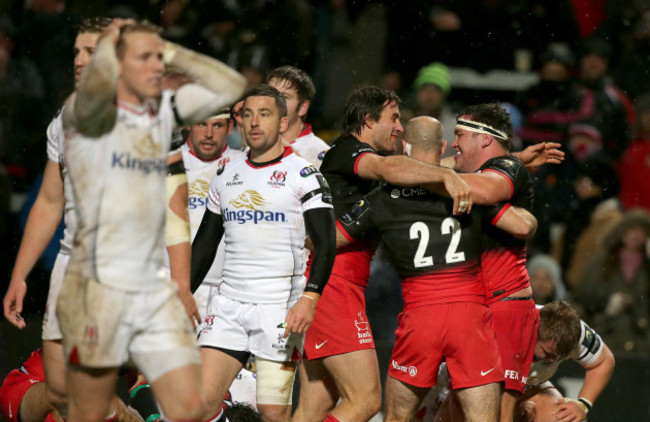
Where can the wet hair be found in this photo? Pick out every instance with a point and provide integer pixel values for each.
(559, 322)
(296, 79)
(94, 25)
(493, 115)
(268, 91)
(365, 102)
(140, 26)
(240, 412)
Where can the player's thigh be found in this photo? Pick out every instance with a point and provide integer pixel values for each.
(402, 400)
(218, 371)
(179, 391)
(90, 390)
(318, 393)
(480, 403)
(275, 381)
(54, 367)
(34, 407)
(356, 374)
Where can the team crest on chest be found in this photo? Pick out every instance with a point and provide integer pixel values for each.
(278, 179)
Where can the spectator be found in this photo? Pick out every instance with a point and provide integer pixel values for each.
(613, 113)
(634, 165)
(546, 279)
(614, 290)
(432, 87)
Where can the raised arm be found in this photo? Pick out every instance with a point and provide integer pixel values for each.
(92, 109)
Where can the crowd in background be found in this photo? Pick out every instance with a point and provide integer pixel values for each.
(586, 63)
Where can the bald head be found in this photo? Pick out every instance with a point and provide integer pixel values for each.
(424, 133)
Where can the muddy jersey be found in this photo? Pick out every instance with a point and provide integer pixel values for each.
(262, 210)
(118, 182)
(504, 256)
(436, 254)
(309, 146)
(199, 174)
(55, 137)
(340, 168)
(585, 353)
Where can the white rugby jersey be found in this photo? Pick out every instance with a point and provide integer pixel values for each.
(55, 137)
(199, 174)
(310, 147)
(118, 183)
(586, 352)
(262, 209)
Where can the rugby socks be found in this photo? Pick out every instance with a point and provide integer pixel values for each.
(143, 401)
(330, 418)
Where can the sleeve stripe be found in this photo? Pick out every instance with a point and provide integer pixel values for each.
(512, 186)
(345, 234)
(502, 211)
(311, 194)
(356, 162)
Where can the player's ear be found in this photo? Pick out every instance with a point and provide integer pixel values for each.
(486, 140)
(284, 124)
(443, 148)
(302, 109)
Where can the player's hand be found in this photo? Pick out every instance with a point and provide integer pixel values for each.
(541, 153)
(567, 410)
(187, 299)
(112, 31)
(13, 302)
(301, 315)
(459, 191)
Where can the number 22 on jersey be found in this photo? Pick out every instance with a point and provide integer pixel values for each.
(449, 226)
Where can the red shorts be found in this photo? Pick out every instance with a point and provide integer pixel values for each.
(461, 332)
(12, 392)
(340, 324)
(515, 326)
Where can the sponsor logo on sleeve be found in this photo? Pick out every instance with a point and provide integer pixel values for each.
(308, 170)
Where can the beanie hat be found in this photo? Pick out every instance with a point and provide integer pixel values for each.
(436, 74)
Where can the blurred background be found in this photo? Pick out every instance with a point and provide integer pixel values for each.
(570, 71)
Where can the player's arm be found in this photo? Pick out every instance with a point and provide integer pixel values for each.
(215, 84)
(319, 223)
(597, 375)
(404, 171)
(514, 220)
(177, 233)
(204, 247)
(488, 188)
(92, 109)
(43, 219)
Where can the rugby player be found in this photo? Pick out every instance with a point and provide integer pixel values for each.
(115, 303)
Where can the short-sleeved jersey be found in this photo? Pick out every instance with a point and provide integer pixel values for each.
(55, 138)
(504, 256)
(436, 254)
(118, 181)
(585, 353)
(339, 167)
(262, 210)
(199, 174)
(310, 147)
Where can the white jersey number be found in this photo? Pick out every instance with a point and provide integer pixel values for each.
(419, 230)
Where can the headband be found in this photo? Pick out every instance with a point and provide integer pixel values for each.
(480, 128)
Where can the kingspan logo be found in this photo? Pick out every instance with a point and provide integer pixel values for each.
(145, 165)
(198, 193)
(251, 201)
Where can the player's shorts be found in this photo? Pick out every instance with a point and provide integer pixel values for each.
(461, 332)
(250, 327)
(104, 327)
(515, 326)
(51, 329)
(340, 324)
(12, 392)
(202, 299)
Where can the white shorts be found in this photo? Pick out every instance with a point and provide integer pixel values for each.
(105, 327)
(51, 329)
(250, 327)
(202, 298)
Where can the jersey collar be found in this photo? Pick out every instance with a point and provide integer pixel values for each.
(287, 151)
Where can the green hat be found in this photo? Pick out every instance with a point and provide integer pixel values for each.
(435, 73)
